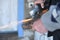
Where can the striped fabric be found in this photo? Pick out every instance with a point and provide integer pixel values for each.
(39, 36)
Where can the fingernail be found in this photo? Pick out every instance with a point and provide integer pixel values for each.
(42, 6)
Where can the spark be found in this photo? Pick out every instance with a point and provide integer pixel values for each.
(15, 22)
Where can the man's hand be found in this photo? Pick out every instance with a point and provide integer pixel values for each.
(41, 2)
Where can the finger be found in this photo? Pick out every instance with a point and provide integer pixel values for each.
(36, 2)
(42, 5)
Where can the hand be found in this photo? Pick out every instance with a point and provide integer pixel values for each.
(41, 2)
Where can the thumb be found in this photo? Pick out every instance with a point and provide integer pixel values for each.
(42, 5)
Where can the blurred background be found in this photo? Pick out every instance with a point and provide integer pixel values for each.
(8, 13)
